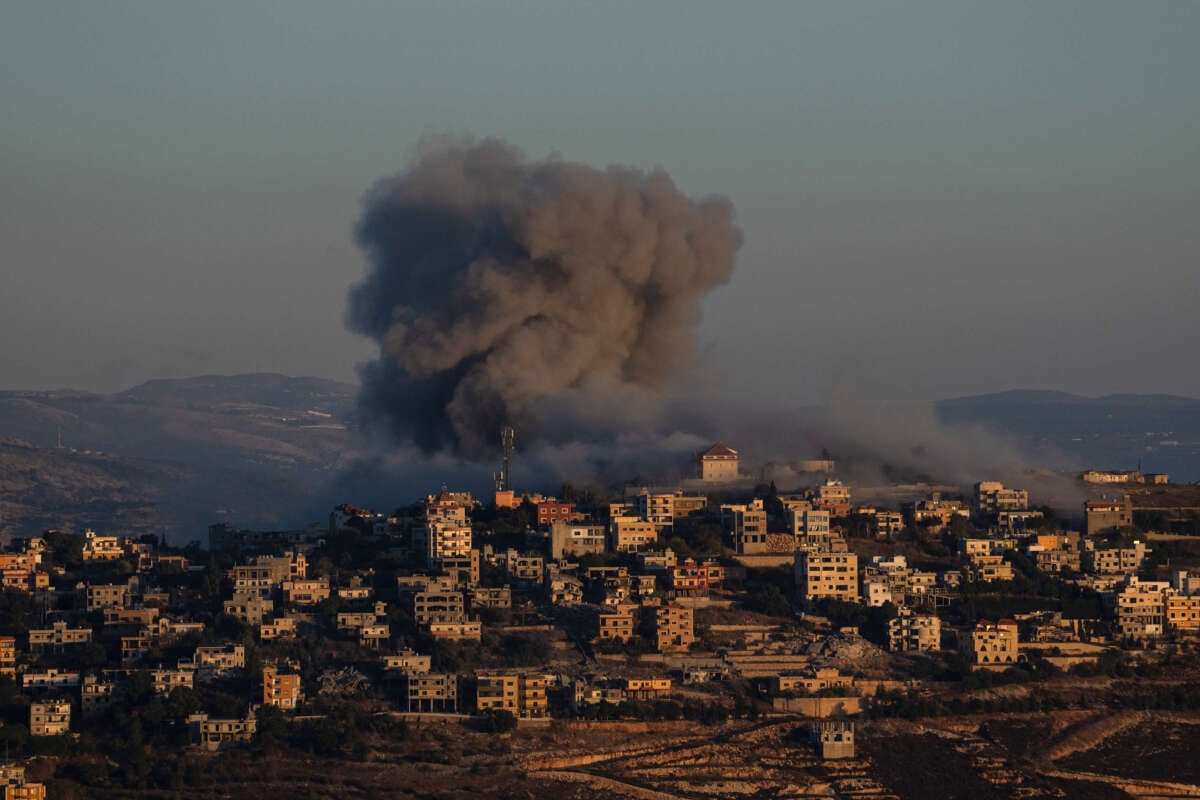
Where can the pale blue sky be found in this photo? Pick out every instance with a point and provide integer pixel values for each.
(938, 198)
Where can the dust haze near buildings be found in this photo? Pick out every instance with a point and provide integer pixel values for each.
(549, 295)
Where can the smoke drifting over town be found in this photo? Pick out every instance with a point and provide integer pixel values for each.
(562, 299)
(503, 290)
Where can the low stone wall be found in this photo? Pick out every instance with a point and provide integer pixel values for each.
(819, 706)
(607, 784)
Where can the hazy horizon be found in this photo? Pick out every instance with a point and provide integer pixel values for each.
(938, 199)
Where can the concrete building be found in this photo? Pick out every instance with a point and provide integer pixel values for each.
(631, 534)
(523, 694)
(265, 573)
(166, 680)
(216, 660)
(1105, 516)
(833, 738)
(834, 496)
(524, 569)
(491, 597)
(219, 734)
(306, 592)
(811, 680)
(450, 507)
(249, 606)
(13, 785)
(936, 512)
(106, 595)
(441, 540)
(616, 625)
(747, 527)
(576, 539)
(456, 630)
(49, 719)
(821, 576)
(1111, 476)
(280, 628)
(673, 631)
(988, 568)
(550, 511)
(9, 656)
(657, 509)
(95, 694)
(1182, 613)
(806, 522)
(692, 578)
(1019, 520)
(429, 692)
(1141, 609)
(50, 679)
(58, 636)
(281, 689)
(465, 571)
(101, 548)
(992, 644)
(437, 605)
(991, 498)
(911, 632)
(1114, 560)
(719, 464)
(888, 523)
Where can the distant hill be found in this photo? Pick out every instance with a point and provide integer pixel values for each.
(248, 448)
(1115, 431)
(172, 456)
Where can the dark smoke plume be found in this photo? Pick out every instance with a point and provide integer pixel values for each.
(533, 293)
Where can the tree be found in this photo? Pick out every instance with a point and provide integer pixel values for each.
(498, 720)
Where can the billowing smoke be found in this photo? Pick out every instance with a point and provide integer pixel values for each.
(548, 295)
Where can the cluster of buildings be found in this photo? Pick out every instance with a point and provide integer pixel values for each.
(600, 579)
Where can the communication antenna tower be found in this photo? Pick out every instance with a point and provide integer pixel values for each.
(504, 476)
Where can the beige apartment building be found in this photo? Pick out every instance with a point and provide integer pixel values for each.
(992, 644)
(444, 540)
(747, 525)
(673, 628)
(106, 595)
(281, 628)
(58, 636)
(991, 498)
(49, 719)
(576, 539)
(1104, 516)
(101, 548)
(1141, 609)
(523, 694)
(95, 694)
(430, 692)
(249, 606)
(281, 689)
(1183, 613)
(454, 630)
(217, 734)
(911, 632)
(13, 785)
(821, 576)
(216, 660)
(306, 592)
(165, 680)
(987, 568)
(630, 534)
(616, 625)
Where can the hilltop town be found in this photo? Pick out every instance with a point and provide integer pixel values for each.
(716, 637)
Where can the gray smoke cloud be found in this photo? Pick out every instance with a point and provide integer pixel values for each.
(504, 290)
